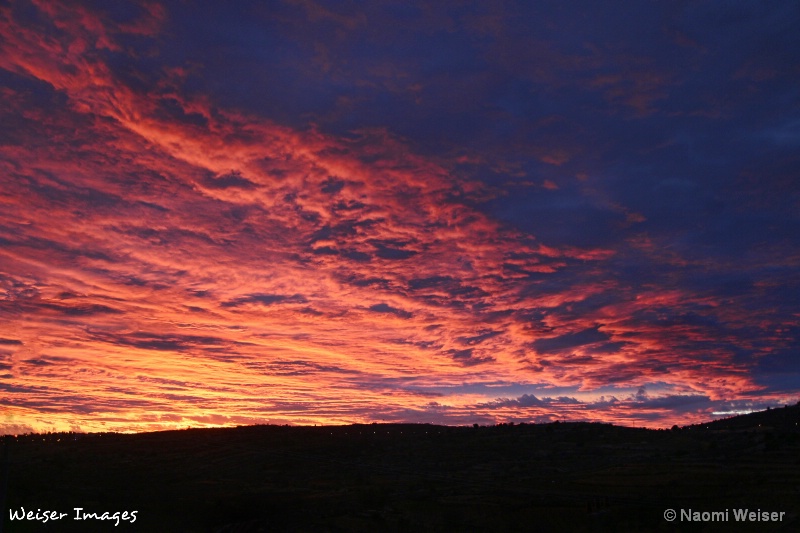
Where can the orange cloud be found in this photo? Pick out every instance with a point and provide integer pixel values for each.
(170, 263)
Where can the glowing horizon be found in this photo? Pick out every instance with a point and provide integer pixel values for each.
(177, 252)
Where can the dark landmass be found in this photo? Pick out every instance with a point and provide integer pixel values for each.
(412, 477)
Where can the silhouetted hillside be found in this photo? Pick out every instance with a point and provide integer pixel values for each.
(411, 477)
(779, 418)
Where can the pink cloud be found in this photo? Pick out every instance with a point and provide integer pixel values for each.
(173, 263)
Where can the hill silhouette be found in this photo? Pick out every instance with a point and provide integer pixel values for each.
(411, 477)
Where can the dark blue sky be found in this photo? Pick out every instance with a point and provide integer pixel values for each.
(686, 115)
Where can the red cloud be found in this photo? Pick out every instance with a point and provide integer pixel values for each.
(168, 258)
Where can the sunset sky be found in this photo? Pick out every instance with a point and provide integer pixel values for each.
(308, 212)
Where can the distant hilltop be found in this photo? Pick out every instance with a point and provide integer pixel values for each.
(784, 418)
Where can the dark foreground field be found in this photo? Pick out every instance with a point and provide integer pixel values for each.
(404, 477)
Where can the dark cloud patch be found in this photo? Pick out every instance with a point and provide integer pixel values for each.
(332, 185)
(386, 308)
(564, 217)
(49, 245)
(200, 293)
(230, 180)
(348, 205)
(25, 389)
(340, 230)
(83, 199)
(526, 400)
(168, 237)
(575, 360)
(607, 347)
(171, 109)
(468, 358)
(590, 304)
(48, 400)
(673, 402)
(84, 310)
(355, 255)
(779, 370)
(619, 373)
(666, 317)
(477, 339)
(10, 342)
(265, 299)
(295, 368)
(161, 342)
(529, 400)
(15, 294)
(446, 284)
(153, 206)
(430, 282)
(785, 359)
(367, 282)
(569, 340)
(638, 406)
(326, 250)
(461, 354)
(132, 280)
(239, 214)
(467, 291)
(391, 249)
(48, 360)
(643, 407)
(170, 384)
(385, 252)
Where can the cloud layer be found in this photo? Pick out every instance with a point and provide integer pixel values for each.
(304, 215)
